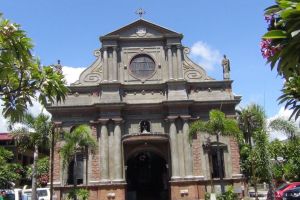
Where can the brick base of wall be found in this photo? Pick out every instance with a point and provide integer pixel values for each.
(196, 189)
(181, 189)
(109, 191)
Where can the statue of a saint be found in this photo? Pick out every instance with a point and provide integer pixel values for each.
(226, 68)
(145, 127)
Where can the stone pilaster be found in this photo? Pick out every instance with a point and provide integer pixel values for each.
(104, 167)
(180, 149)
(188, 159)
(105, 64)
(170, 63)
(179, 62)
(111, 151)
(118, 151)
(174, 150)
(115, 68)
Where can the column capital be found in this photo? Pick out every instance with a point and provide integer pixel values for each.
(104, 48)
(185, 117)
(103, 120)
(118, 120)
(115, 48)
(57, 123)
(93, 122)
(179, 46)
(168, 46)
(171, 118)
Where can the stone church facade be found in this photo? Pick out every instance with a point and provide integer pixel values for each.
(139, 98)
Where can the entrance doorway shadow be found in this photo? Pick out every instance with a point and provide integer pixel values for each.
(147, 177)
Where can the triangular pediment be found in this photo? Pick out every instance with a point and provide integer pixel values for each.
(142, 28)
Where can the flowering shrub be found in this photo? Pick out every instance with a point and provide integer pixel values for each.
(268, 49)
(281, 45)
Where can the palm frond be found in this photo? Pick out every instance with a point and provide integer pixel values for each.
(217, 124)
(287, 127)
(80, 139)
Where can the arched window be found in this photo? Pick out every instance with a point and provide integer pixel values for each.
(145, 126)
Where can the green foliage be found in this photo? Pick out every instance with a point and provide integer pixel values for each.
(260, 157)
(288, 127)
(254, 152)
(228, 195)
(292, 164)
(291, 95)
(276, 149)
(33, 131)
(9, 172)
(22, 78)
(207, 196)
(288, 168)
(5, 155)
(80, 139)
(81, 194)
(217, 124)
(42, 172)
(278, 172)
(245, 161)
(251, 119)
(284, 34)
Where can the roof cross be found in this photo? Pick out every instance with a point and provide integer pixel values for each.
(140, 12)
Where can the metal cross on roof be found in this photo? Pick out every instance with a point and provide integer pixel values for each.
(140, 12)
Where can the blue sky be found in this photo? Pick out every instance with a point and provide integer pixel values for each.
(70, 30)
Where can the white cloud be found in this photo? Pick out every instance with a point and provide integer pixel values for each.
(206, 56)
(71, 75)
(285, 114)
(3, 121)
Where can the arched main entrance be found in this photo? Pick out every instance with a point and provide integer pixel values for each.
(146, 177)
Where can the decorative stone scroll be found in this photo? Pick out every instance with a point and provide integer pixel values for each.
(192, 71)
(93, 75)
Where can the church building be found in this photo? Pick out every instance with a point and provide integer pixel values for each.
(139, 97)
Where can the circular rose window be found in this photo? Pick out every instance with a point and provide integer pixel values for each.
(142, 66)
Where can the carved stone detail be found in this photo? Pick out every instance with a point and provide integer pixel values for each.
(191, 70)
(92, 75)
(143, 92)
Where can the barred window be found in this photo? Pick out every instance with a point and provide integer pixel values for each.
(142, 66)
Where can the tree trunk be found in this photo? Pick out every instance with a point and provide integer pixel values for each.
(271, 194)
(255, 188)
(52, 164)
(220, 165)
(86, 165)
(211, 170)
(34, 180)
(74, 176)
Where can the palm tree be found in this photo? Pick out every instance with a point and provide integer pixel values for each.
(288, 127)
(217, 125)
(252, 122)
(78, 140)
(33, 133)
(251, 119)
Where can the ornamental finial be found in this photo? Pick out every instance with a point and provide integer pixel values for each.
(140, 12)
